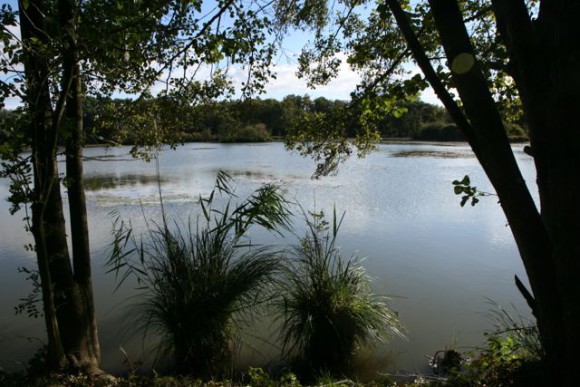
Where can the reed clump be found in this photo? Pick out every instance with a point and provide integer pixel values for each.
(327, 309)
(199, 286)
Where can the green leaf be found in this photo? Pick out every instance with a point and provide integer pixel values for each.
(465, 180)
(464, 200)
(457, 189)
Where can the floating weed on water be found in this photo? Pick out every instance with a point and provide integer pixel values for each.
(114, 181)
(435, 154)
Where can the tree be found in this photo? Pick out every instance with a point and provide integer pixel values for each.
(71, 48)
(503, 59)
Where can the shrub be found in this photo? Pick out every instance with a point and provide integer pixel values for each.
(512, 356)
(516, 133)
(254, 133)
(440, 131)
(328, 310)
(445, 131)
(197, 284)
(248, 133)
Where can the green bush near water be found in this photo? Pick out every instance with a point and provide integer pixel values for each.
(327, 309)
(198, 286)
(439, 131)
(248, 133)
(446, 131)
(511, 356)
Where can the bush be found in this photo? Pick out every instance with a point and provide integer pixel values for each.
(248, 133)
(512, 356)
(440, 131)
(444, 131)
(197, 284)
(328, 310)
(516, 133)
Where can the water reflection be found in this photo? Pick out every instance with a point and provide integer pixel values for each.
(261, 176)
(112, 181)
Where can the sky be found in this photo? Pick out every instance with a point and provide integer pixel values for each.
(339, 88)
(286, 81)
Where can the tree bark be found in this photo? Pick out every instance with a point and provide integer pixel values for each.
(545, 243)
(545, 56)
(67, 294)
(81, 342)
(45, 182)
(559, 162)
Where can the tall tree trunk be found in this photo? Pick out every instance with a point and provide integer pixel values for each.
(559, 166)
(545, 57)
(82, 338)
(67, 294)
(46, 182)
(544, 242)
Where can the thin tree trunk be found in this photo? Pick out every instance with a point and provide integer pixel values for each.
(79, 230)
(82, 342)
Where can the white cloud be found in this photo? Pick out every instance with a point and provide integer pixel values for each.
(339, 88)
(429, 96)
(287, 82)
(12, 103)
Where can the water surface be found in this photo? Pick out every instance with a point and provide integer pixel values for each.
(439, 261)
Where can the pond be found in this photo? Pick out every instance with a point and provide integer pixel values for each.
(440, 263)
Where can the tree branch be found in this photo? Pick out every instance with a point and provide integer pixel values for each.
(528, 60)
(430, 73)
(527, 295)
(192, 41)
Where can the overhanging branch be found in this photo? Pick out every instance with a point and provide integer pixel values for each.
(430, 73)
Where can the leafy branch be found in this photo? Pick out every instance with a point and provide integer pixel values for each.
(464, 188)
(30, 303)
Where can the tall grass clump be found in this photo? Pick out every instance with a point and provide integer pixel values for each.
(327, 307)
(199, 285)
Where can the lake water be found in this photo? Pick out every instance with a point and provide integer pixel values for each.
(440, 262)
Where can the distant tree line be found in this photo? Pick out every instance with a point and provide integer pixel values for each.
(122, 121)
